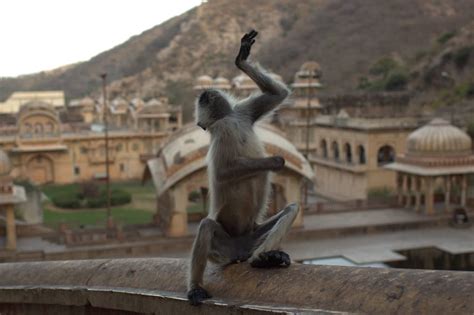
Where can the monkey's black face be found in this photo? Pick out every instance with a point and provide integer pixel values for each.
(211, 106)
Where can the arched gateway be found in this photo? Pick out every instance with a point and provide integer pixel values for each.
(180, 168)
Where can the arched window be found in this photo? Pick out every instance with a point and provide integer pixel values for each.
(49, 129)
(28, 130)
(335, 150)
(348, 152)
(324, 148)
(361, 153)
(386, 154)
(39, 129)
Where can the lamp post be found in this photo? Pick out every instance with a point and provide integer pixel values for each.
(308, 121)
(106, 129)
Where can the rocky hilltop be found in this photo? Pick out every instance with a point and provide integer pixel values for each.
(346, 37)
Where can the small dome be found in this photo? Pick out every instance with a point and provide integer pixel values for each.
(221, 83)
(275, 76)
(153, 102)
(310, 66)
(439, 138)
(5, 164)
(204, 80)
(243, 81)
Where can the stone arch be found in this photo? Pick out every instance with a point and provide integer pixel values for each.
(324, 148)
(335, 150)
(40, 169)
(181, 168)
(385, 155)
(348, 152)
(361, 154)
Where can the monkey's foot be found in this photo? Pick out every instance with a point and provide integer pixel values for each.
(197, 295)
(272, 259)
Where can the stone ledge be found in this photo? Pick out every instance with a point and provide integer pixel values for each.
(157, 285)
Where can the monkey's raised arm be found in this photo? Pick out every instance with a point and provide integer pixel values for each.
(274, 92)
(246, 167)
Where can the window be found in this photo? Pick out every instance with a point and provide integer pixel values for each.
(122, 167)
(361, 153)
(83, 150)
(324, 148)
(135, 146)
(335, 150)
(385, 155)
(77, 170)
(348, 152)
(119, 147)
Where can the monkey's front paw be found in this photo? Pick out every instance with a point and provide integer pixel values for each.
(197, 295)
(279, 163)
(272, 259)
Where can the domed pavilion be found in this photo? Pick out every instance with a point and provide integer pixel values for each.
(432, 174)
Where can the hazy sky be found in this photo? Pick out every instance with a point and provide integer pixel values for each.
(45, 34)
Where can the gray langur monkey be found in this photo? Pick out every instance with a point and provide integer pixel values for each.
(239, 182)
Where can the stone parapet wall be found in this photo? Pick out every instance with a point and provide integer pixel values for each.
(152, 285)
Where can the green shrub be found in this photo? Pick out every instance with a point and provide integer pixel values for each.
(445, 37)
(380, 192)
(396, 81)
(66, 200)
(383, 66)
(96, 202)
(77, 200)
(120, 197)
(461, 56)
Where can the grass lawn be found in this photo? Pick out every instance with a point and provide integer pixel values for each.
(95, 217)
(125, 215)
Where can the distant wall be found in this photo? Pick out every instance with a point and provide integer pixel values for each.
(152, 285)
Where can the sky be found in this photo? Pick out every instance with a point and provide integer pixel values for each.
(39, 35)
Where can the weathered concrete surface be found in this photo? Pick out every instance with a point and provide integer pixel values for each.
(152, 285)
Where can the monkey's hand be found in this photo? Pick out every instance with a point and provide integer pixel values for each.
(278, 163)
(245, 45)
(197, 295)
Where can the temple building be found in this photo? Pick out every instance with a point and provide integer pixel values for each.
(13, 104)
(352, 152)
(50, 146)
(296, 115)
(432, 175)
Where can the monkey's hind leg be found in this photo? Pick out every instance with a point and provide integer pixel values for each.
(210, 243)
(269, 235)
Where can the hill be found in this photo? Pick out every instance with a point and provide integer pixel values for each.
(346, 37)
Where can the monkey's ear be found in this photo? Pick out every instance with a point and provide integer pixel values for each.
(204, 98)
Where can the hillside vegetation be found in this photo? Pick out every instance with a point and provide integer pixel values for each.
(348, 39)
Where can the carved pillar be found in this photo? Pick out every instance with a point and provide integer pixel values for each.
(429, 195)
(11, 229)
(408, 190)
(417, 193)
(400, 189)
(447, 193)
(463, 190)
(179, 216)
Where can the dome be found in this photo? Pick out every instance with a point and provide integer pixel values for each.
(5, 164)
(244, 82)
(439, 138)
(310, 66)
(204, 80)
(221, 83)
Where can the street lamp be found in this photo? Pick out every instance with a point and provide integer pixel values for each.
(106, 129)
